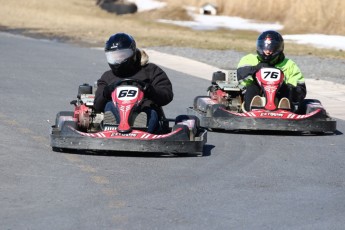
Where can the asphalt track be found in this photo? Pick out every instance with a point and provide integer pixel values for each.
(243, 181)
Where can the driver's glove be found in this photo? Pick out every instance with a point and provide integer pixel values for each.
(107, 91)
(262, 65)
(148, 90)
(247, 72)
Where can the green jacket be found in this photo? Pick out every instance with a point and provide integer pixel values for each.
(290, 69)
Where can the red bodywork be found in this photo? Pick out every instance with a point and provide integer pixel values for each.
(125, 98)
(135, 134)
(270, 79)
(277, 114)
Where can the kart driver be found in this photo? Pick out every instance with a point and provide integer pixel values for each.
(128, 62)
(270, 53)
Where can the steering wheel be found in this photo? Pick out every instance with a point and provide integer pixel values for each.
(141, 84)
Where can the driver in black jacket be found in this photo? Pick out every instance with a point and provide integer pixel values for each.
(128, 62)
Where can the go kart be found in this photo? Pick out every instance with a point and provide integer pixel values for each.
(223, 108)
(84, 129)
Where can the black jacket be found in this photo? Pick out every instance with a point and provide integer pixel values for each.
(160, 94)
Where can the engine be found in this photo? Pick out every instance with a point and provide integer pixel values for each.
(226, 91)
(87, 118)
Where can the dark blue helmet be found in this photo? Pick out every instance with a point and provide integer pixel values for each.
(270, 42)
(120, 51)
(119, 48)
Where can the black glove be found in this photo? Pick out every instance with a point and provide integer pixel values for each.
(249, 71)
(262, 65)
(148, 90)
(107, 91)
(147, 103)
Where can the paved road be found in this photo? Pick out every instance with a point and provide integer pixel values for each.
(244, 181)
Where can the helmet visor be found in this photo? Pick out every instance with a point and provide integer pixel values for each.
(118, 56)
(269, 45)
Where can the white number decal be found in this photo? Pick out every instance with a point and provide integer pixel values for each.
(270, 74)
(127, 93)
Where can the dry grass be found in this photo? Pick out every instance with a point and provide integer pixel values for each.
(312, 16)
(82, 21)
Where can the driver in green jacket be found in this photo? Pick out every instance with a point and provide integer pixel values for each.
(270, 53)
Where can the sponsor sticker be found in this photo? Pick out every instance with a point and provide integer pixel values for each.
(271, 114)
(124, 134)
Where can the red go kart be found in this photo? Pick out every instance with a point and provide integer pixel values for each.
(84, 129)
(223, 108)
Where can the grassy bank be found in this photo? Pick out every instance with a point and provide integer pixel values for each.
(307, 16)
(81, 21)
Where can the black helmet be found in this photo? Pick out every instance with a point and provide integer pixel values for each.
(270, 41)
(120, 51)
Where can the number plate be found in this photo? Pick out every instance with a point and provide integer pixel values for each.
(270, 74)
(126, 93)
